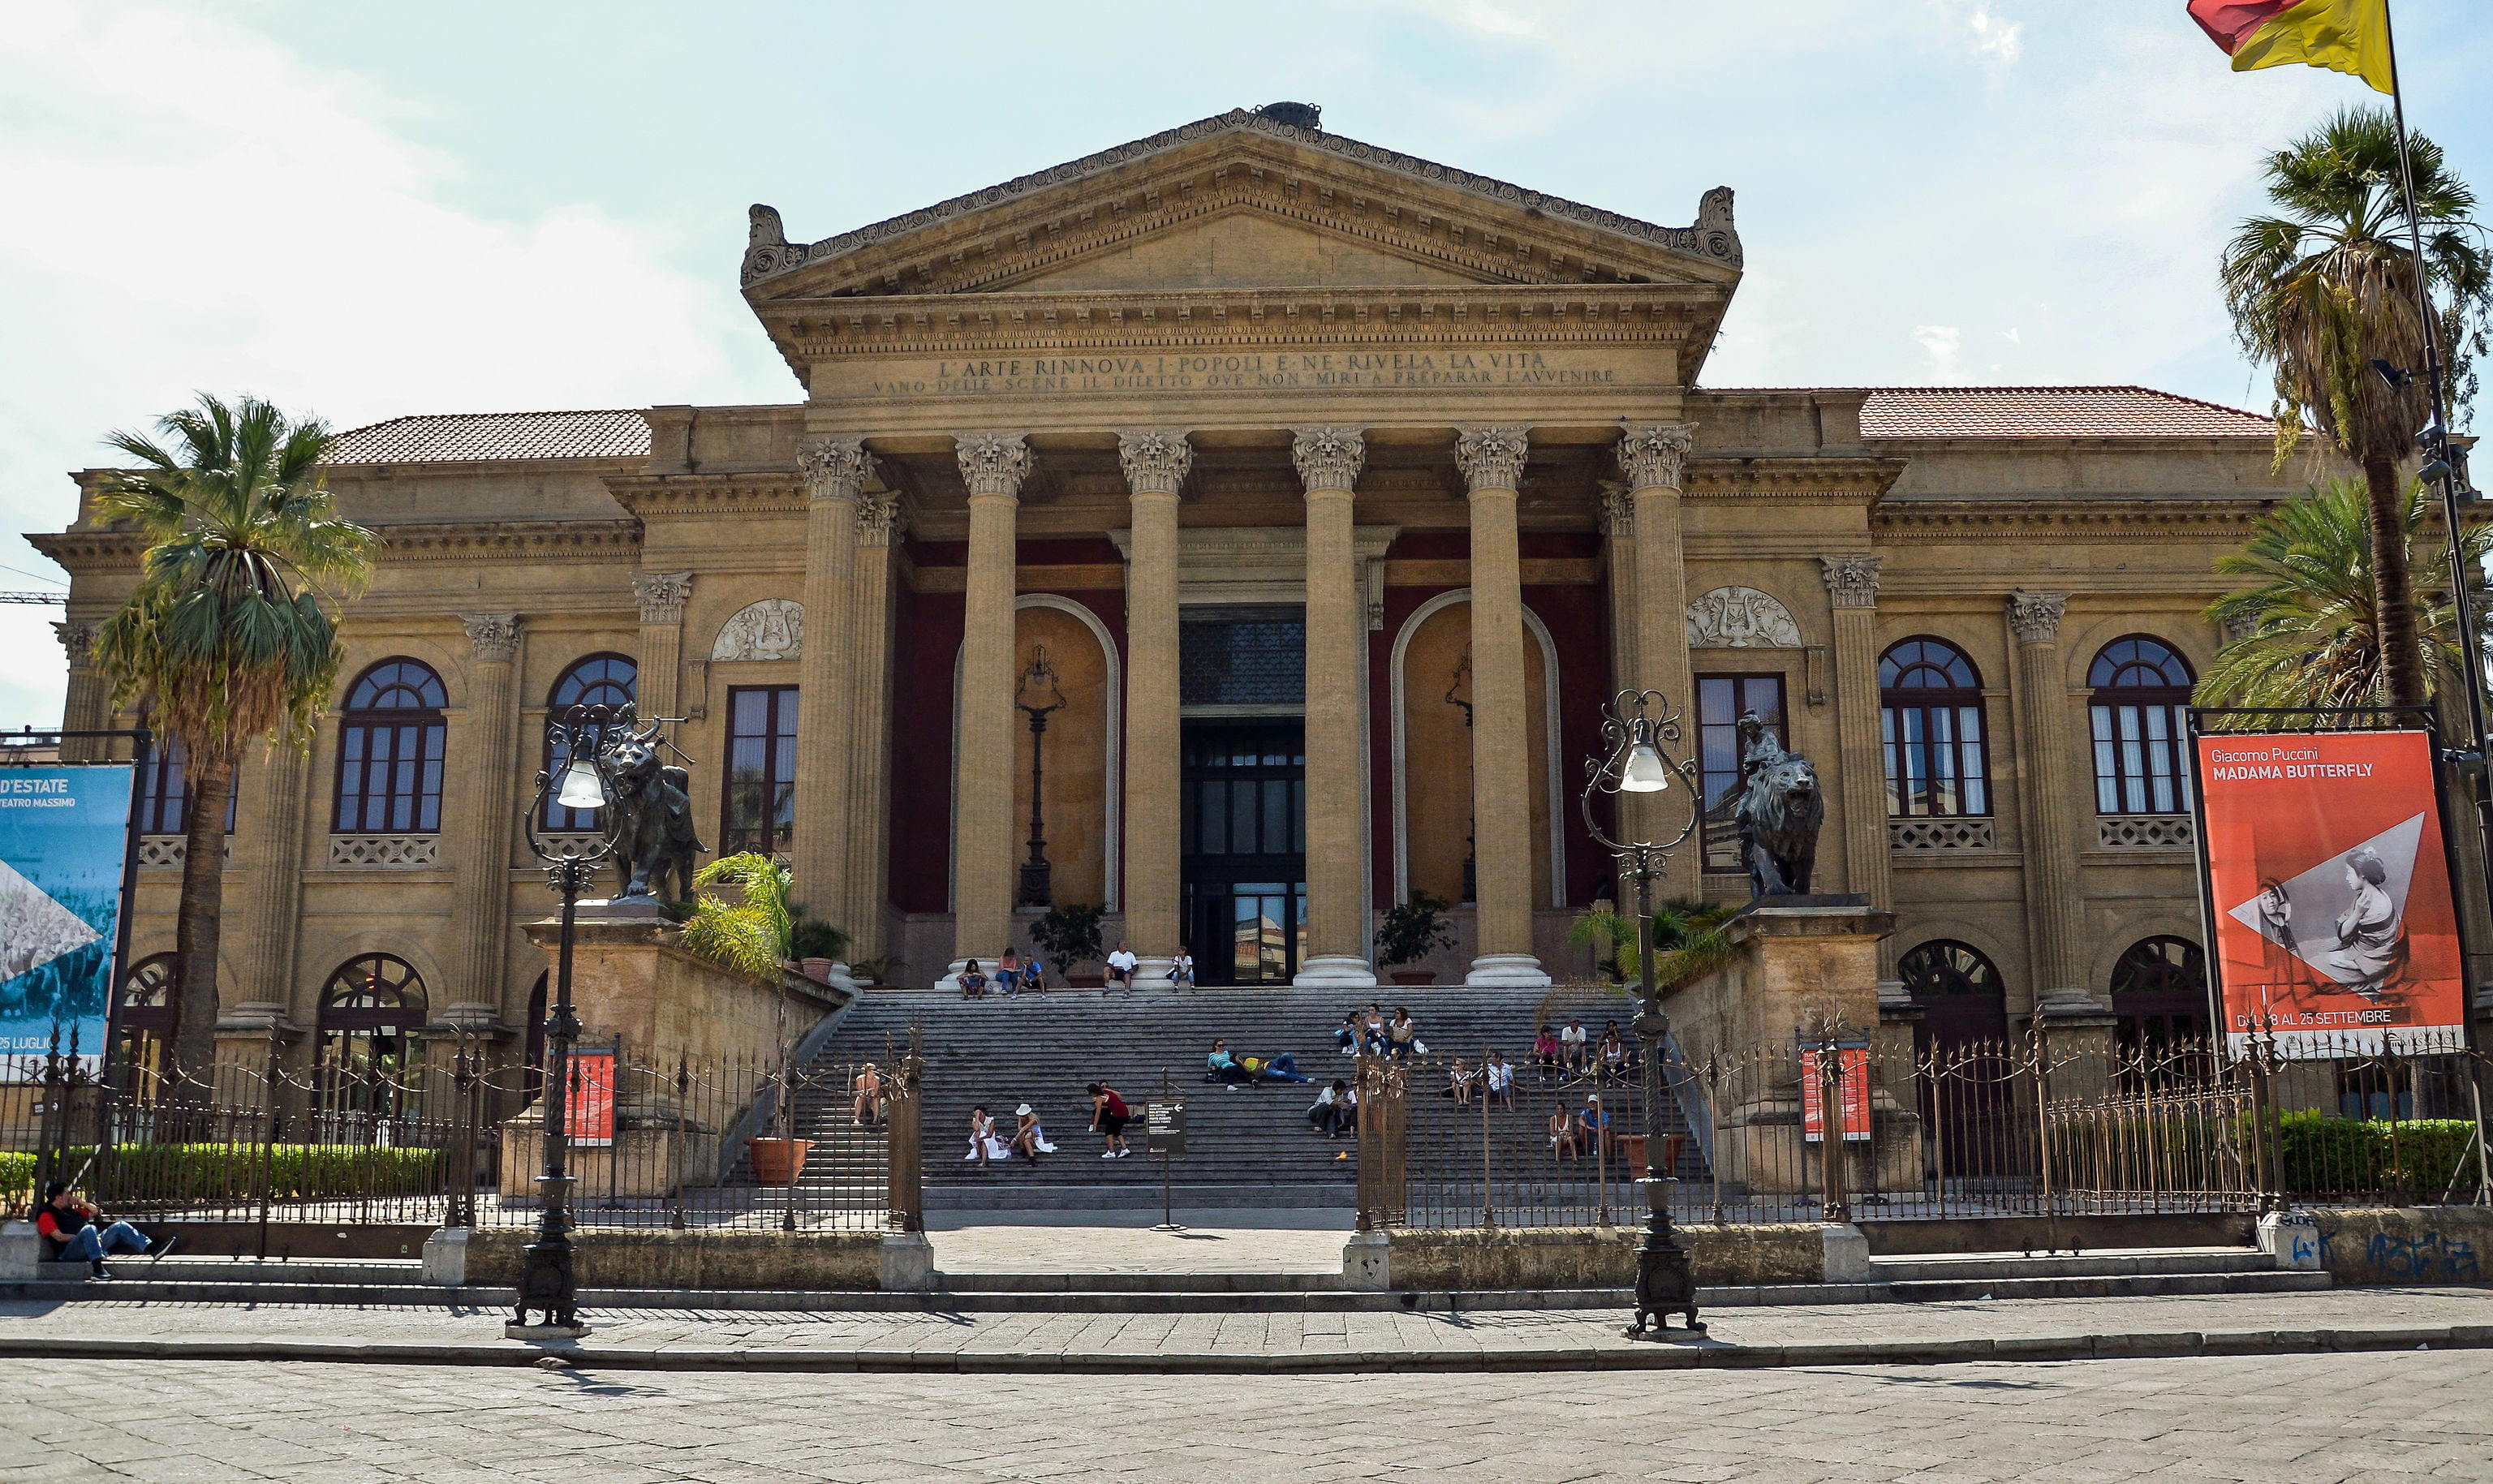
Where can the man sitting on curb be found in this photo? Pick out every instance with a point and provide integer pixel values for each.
(72, 1232)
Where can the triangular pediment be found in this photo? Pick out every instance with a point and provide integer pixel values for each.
(1243, 200)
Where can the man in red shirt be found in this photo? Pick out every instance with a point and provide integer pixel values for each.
(1108, 1115)
(72, 1232)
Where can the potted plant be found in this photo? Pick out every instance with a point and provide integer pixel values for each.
(1412, 931)
(753, 934)
(877, 973)
(1070, 935)
(816, 945)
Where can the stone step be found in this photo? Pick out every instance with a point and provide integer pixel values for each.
(2130, 1286)
(1979, 1266)
(1139, 1283)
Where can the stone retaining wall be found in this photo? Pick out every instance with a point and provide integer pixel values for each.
(739, 1260)
(1599, 1257)
(2418, 1245)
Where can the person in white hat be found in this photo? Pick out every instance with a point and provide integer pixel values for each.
(1029, 1140)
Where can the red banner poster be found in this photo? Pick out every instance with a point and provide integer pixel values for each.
(588, 1110)
(1853, 1079)
(2328, 890)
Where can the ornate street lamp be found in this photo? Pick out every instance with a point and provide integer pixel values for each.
(1636, 729)
(577, 777)
(1037, 696)
(1458, 693)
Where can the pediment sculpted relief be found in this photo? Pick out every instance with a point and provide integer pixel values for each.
(1740, 618)
(773, 629)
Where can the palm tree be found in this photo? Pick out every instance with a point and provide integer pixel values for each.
(2327, 288)
(228, 637)
(2311, 632)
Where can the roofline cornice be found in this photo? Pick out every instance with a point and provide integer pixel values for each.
(2229, 518)
(763, 491)
(1767, 478)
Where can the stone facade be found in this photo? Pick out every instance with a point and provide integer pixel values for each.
(1241, 366)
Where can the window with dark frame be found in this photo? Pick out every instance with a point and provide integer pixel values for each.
(390, 744)
(370, 1054)
(164, 795)
(1930, 717)
(760, 799)
(2139, 722)
(599, 680)
(1720, 701)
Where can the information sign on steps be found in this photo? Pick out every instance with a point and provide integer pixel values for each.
(1164, 1128)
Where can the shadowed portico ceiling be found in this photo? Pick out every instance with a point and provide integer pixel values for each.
(1403, 220)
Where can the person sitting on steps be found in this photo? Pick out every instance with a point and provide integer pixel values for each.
(1402, 1037)
(72, 1232)
(1009, 974)
(1029, 1140)
(1333, 1111)
(984, 1146)
(1181, 969)
(1497, 1079)
(868, 1106)
(1121, 968)
(1546, 1062)
(973, 980)
(1564, 1143)
(1460, 1080)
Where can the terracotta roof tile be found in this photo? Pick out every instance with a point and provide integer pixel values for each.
(452, 437)
(2051, 413)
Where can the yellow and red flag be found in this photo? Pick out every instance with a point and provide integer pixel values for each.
(2346, 36)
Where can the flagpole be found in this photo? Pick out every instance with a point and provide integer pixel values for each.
(2480, 788)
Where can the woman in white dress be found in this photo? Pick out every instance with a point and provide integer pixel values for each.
(984, 1146)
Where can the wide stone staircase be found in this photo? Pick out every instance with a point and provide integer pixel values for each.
(1251, 1147)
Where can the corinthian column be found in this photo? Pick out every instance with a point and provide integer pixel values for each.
(2053, 904)
(1652, 456)
(1329, 461)
(878, 528)
(993, 464)
(87, 706)
(661, 597)
(1618, 555)
(834, 473)
(1852, 594)
(1491, 460)
(1155, 468)
(483, 841)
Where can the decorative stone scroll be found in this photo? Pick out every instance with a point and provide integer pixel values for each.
(495, 636)
(1157, 463)
(2036, 616)
(1618, 510)
(1852, 582)
(879, 520)
(992, 462)
(77, 640)
(773, 629)
(662, 595)
(1741, 618)
(833, 468)
(1654, 455)
(1329, 458)
(1493, 458)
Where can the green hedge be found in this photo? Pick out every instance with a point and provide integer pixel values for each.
(186, 1173)
(2322, 1152)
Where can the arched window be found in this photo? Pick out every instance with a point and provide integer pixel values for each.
(1930, 702)
(600, 680)
(165, 793)
(389, 751)
(2159, 990)
(2141, 689)
(369, 1010)
(145, 1020)
(1960, 991)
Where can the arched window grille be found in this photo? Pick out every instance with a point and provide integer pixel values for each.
(2159, 990)
(145, 1023)
(2141, 694)
(369, 1054)
(1943, 968)
(390, 743)
(1930, 701)
(599, 680)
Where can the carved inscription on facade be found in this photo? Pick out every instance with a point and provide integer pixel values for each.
(1245, 371)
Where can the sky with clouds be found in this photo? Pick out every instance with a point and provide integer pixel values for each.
(361, 211)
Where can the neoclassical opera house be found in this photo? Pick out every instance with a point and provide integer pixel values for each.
(1317, 497)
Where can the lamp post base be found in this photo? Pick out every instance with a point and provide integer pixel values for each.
(575, 1331)
(1666, 1284)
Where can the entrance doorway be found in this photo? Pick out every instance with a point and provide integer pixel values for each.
(1244, 850)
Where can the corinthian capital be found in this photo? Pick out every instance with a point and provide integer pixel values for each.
(833, 468)
(78, 639)
(2036, 616)
(1618, 511)
(992, 462)
(880, 521)
(1651, 454)
(1491, 458)
(1329, 458)
(1155, 462)
(1852, 582)
(662, 595)
(494, 635)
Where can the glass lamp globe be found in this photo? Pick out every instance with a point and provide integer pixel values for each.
(582, 787)
(1645, 771)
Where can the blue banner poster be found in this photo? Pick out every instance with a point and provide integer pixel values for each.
(62, 834)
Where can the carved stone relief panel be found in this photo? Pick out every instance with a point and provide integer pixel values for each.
(773, 629)
(1741, 618)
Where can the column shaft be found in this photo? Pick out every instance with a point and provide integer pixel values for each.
(993, 464)
(2053, 908)
(483, 838)
(869, 831)
(87, 704)
(1853, 591)
(661, 597)
(834, 470)
(1652, 458)
(270, 853)
(1329, 461)
(1618, 554)
(1491, 459)
(1156, 467)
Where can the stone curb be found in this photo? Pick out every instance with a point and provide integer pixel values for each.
(1674, 1354)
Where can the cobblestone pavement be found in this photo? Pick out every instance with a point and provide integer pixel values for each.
(1064, 1334)
(1213, 1241)
(2312, 1420)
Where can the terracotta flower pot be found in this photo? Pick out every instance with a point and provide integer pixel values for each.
(778, 1161)
(1407, 976)
(817, 969)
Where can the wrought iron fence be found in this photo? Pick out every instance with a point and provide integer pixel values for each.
(2034, 1125)
(457, 1138)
